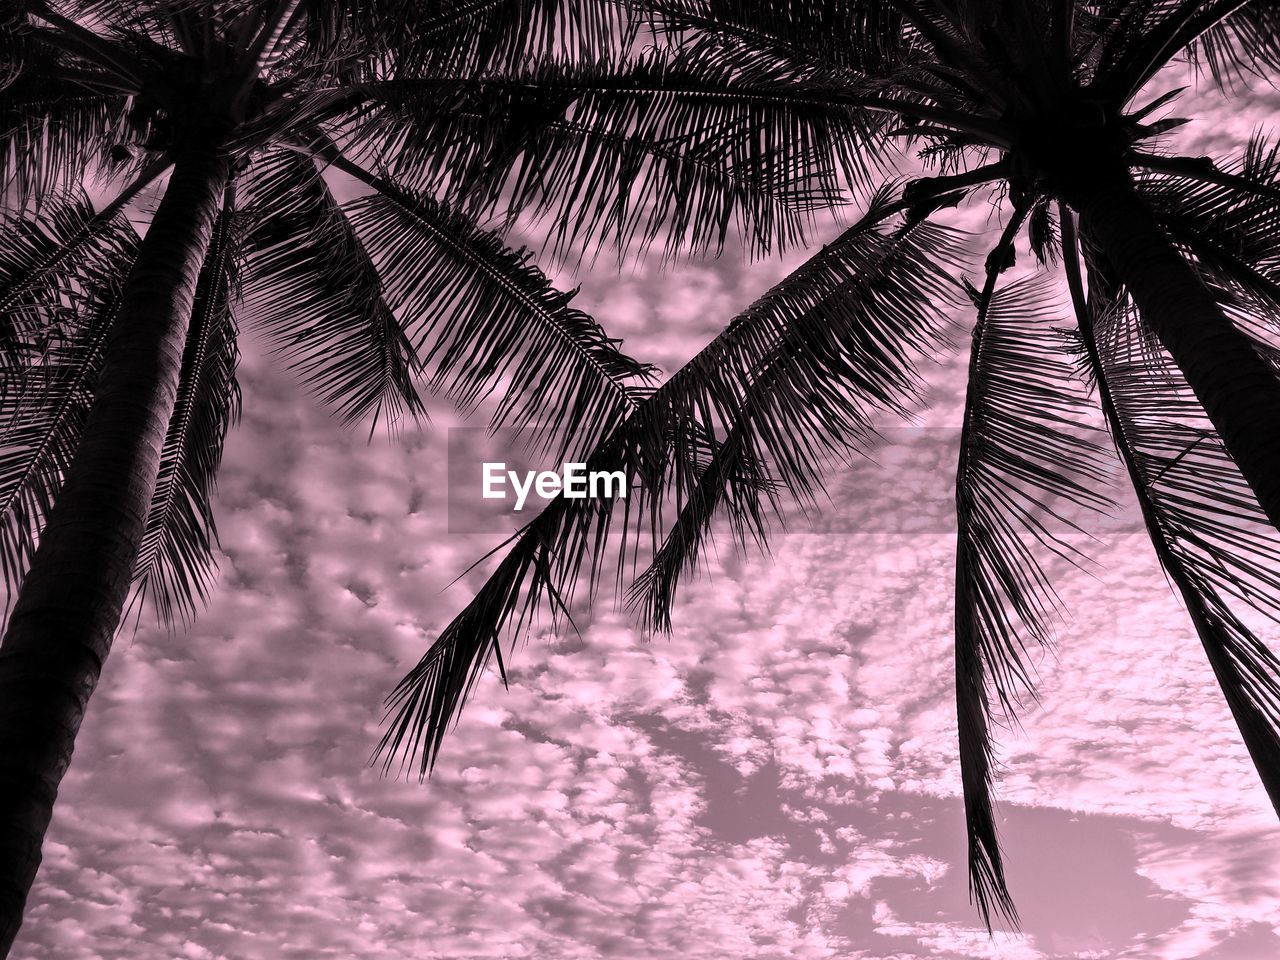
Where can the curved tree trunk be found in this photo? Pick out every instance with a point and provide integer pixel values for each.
(1238, 389)
(71, 600)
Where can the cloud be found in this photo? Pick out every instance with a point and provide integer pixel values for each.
(777, 779)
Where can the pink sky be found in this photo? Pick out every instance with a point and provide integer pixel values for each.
(776, 780)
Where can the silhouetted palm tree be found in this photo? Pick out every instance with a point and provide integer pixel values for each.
(252, 119)
(1044, 103)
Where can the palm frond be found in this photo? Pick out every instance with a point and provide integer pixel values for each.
(54, 129)
(485, 320)
(1227, 216)
(623, 152)
(869, 38)
(1024, 463)
(359, 39)
(677, 159)
(848, 330)
(46, 251)
(309, 283)
(45, 256)
(475, 36)
(175, 564)
(1209, 535)
(1232, 39)
(791, 382)
(64, 318)
(731, 484)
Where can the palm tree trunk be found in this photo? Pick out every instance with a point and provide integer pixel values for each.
(71, 600)
(1238, 389)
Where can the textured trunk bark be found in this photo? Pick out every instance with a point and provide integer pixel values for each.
(1238, 389)
(71, 600)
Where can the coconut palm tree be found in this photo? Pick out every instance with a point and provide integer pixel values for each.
(324, 170)
(1056, 109)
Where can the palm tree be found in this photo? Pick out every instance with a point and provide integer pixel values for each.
(1054, 109)
(252, 120)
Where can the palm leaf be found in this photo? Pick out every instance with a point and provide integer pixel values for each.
(485, 319)
(1231, 38)
(310, 285)
(47, 253)
(65, 307)
(1226, 216)
(849, 329)
(620, 151)
(175, 564)
(475, 36)
(58, 120)
(1209, 534)
(796, 375)
(675, 158)
(864, 38)
(1022, 454)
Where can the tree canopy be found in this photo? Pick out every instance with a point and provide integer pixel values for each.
(1060, 110)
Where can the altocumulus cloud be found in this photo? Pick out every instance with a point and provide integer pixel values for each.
(777, 779)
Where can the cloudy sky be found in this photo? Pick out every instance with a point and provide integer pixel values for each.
(776, 780)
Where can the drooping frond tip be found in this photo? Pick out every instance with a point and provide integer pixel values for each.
(1024, 460)
(61, 269)
(176, 564)
(791, 384)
